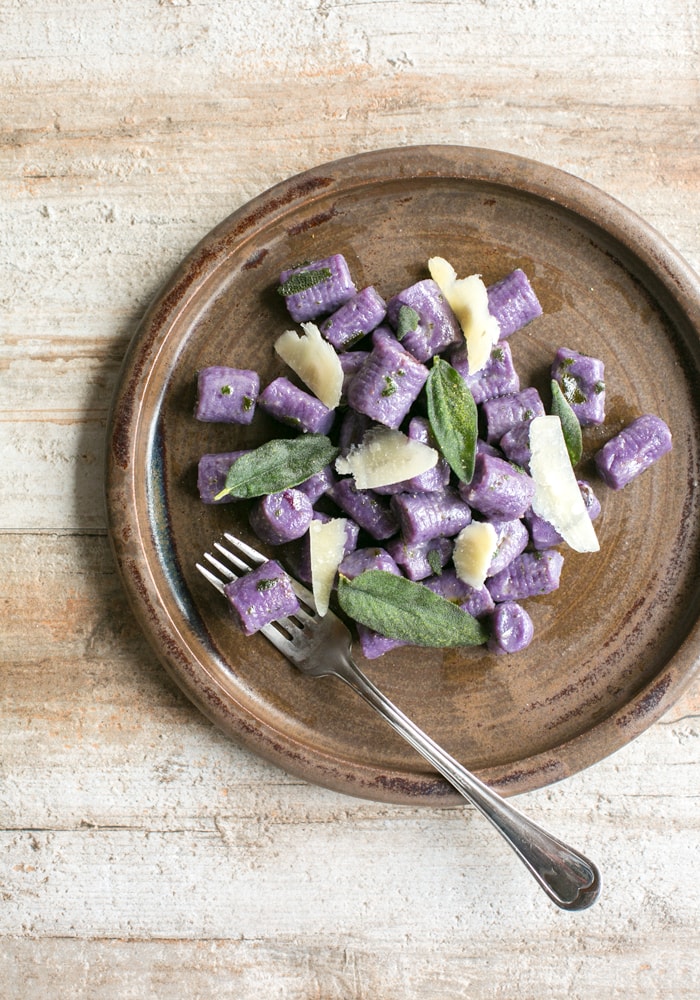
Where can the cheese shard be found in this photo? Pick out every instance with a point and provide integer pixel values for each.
(386, 456)
(327, 541)
(473, 553)
(558, 497)
(468, 299)
(315, 361)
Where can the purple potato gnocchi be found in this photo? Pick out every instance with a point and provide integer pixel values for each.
(424, 516)
(582, 382)
(503, 412)
(423, 320)
(226, 395)
(355, 319)
(374, 645)
(318, 484)
(308, 296)
(633, 450)
(591, 501)
(261, 596)
(388, 383)
(498, 377)
(513, 302)
(419, 560)
(370, 511)
(361, 560)
(528, 575)
(296, 408)
(511, 628)
(350, 362)
(512, 538)
(476, 601)
(353, 427)
(498, 489)
(212, 471)
(515, 444)
(281, 517)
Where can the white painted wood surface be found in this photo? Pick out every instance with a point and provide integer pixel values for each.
(141, 853)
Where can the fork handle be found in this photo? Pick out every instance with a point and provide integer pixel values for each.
(568, 878)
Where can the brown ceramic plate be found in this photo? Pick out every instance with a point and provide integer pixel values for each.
(620, 640)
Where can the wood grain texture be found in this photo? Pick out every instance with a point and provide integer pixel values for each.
(141, 853)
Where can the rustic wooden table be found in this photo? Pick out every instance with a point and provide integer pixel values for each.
(143, 854)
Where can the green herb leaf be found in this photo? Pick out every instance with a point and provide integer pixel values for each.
(389, 386)
(301, 280)
(401, 609)
(571, 428)
(453, 418)
(278, 465)
(408, 320)
(571, 388)
(435, 562)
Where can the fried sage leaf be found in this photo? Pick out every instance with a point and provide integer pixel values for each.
(453, 418)
(278, 465)
(408, 611)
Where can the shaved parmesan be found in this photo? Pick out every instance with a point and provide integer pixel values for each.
(385, 457)
(468, 299)
(326, 550)
(557, 495)
(315, 361)
(474, 549)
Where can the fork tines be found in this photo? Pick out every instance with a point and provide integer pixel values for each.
(233, 559)
(241, 566)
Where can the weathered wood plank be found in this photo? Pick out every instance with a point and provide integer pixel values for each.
(149, 189)
(233, 877)
(331, 969)
(263, 895)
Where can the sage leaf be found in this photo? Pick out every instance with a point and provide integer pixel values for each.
(408, 611)
(435, 562)
(571, 428)
(408, 321)
(278, 465)
(453, 418)
(301, 280)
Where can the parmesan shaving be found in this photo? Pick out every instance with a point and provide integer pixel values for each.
(315, 361)
(557, 496)
(474, 549)
(385, 457)
(468, 299)
(326, 550)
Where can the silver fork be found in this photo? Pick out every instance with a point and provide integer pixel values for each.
(321, 646)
